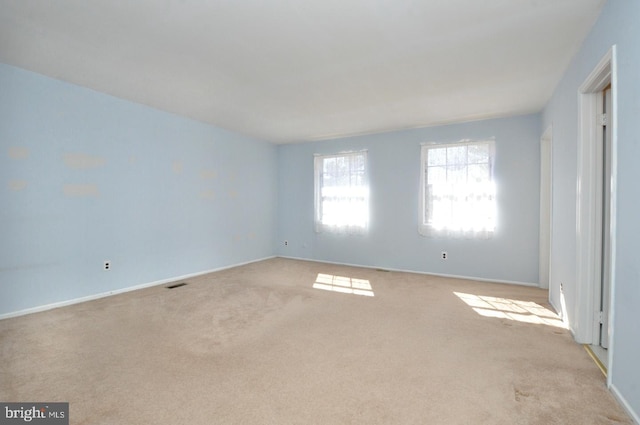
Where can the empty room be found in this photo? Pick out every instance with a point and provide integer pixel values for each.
(320, 212)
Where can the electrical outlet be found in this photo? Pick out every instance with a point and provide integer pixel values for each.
(444, 255)
(286, 243)
(107, 265)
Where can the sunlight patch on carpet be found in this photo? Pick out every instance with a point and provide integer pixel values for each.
(343, 284)
(504, 308)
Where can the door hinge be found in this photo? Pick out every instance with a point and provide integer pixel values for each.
(603, 119)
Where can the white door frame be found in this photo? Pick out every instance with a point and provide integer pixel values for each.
(587, 326)
(546, 202)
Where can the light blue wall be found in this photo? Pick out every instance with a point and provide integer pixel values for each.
(394, 168)
(85, 177)
(617, 24)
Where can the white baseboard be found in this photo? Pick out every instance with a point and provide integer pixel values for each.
(511, 282)
(625, 405)
(121, 291)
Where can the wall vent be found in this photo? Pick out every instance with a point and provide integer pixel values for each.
(176, 285)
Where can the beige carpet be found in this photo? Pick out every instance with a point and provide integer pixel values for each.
(259, 344)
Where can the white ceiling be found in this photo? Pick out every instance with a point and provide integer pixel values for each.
(298, 70)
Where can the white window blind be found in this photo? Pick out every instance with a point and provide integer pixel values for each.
(341, 193)
(457, 196)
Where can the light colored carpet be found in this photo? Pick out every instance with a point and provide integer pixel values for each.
(258, 344)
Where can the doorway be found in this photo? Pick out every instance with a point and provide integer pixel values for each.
(546, 185)
(596, 200)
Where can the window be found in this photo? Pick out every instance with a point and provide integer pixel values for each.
(457, 190)
(341, 193)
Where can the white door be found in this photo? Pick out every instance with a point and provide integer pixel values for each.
(605, 291)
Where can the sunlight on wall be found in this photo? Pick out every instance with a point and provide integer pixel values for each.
(504, 308)
(346, 285)
(563, 308)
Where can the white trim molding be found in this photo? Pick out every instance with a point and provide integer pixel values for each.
(624, 403)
